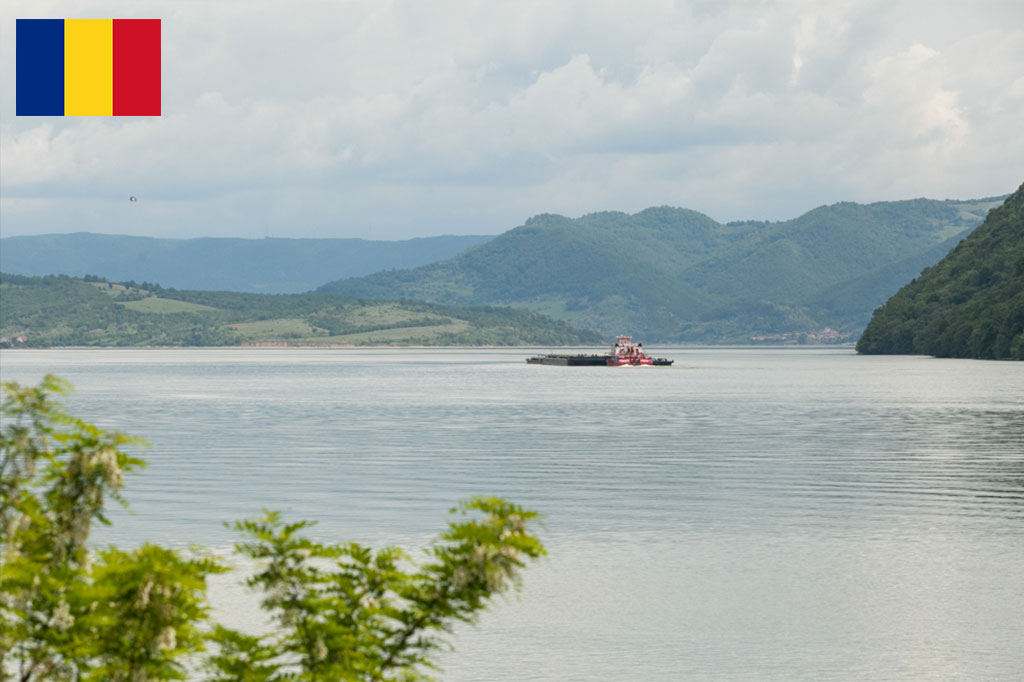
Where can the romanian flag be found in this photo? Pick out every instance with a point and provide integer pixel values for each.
(88, 67)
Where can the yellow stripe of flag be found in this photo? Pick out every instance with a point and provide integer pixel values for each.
(88, 67)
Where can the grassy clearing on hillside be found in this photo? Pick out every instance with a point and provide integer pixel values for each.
(400, 335)
(164, 306)
(977, 210)
(109, 288)
(270, 330)
(377, 314)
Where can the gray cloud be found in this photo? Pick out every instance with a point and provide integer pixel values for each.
(397, 119)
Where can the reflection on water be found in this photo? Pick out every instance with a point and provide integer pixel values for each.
(745, 514)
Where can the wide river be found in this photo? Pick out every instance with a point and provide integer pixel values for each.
(747, 514)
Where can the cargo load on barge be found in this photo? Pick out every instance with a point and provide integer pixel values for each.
(624, 353)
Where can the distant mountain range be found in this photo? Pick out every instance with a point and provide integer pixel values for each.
(272, 265)
(968, 305)
(663, 274)
(669, 274)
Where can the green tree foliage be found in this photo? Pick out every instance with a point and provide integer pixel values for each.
(69, 613)
(342, 611)
(969, 305)
(347, 612)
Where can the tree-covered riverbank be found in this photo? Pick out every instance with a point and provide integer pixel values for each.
(969, 305)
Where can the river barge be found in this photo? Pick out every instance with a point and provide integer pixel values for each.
(624, 353)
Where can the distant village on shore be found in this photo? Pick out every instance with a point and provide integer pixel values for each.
(826, 335)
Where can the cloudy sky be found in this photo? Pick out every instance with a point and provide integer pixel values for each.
(391, 119)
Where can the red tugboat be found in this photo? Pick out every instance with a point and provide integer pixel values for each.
(624, 353)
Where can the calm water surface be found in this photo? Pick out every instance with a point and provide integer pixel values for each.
(747, 514)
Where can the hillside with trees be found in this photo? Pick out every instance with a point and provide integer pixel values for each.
(968, 305)
(64, 311)
(264, 266)
(669, 274)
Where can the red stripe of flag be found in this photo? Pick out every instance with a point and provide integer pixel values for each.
(136, 67)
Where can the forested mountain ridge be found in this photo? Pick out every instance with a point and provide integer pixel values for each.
(64, 311)
(968, 305)
(270, 266)
(670, 274)
(844, 302)
(827, 245)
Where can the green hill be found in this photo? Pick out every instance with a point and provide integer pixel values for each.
(63, 311)
(969, 305)
(268, 266)
(845, 302)
(668, 274)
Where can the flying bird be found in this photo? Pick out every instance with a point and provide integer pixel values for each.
(132, 199)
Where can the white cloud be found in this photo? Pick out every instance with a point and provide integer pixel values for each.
(405, 118)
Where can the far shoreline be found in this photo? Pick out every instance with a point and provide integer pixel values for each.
(283, 345)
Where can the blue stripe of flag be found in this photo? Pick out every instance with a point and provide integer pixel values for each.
(40, 67)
